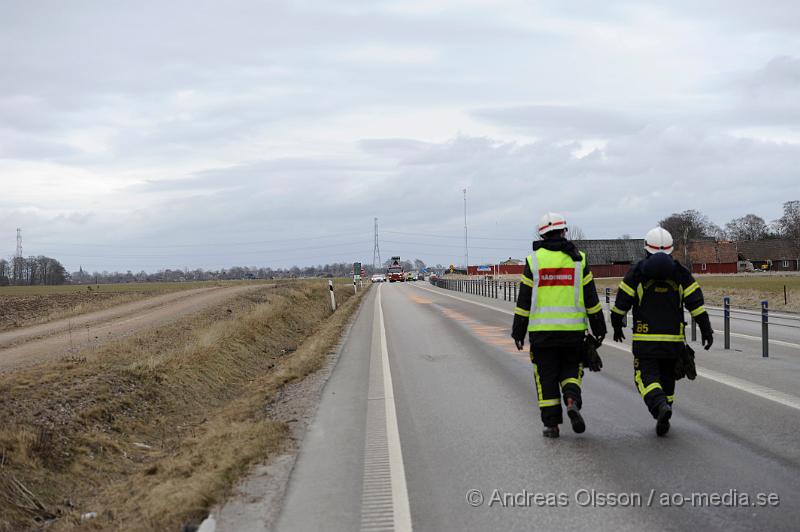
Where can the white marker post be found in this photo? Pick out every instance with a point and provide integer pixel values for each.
(356, 275)
(333, 297)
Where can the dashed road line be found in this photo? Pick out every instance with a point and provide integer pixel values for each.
(384, 500)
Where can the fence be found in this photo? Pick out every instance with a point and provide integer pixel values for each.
(507, 291)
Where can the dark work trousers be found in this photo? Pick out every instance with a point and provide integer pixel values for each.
(655, 380)
(557, 371)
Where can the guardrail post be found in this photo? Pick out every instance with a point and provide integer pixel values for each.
(333, 296)
(694, 330)
(764, 329)
(608, 299)
(726, 303)
(515, 291)
(505, 290)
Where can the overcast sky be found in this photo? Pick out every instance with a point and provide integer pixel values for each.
(147, 135)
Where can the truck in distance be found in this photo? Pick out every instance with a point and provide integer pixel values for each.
(395, 271)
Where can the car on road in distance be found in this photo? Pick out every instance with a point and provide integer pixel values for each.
(378, 278)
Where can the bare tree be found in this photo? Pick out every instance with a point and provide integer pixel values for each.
(789, 223)
(687, 226)
(576, 233)
(748, 227)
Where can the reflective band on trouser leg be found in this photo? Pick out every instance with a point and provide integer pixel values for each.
(542, 401)
(576, 382)
(644, 390)
(670, 399)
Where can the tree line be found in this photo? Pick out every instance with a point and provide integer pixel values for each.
(32, 271)
(694, 225)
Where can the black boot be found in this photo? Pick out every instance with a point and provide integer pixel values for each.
(578, 425)
(550, 432)
(662, 423)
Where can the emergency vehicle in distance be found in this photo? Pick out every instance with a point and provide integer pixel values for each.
(395, 271)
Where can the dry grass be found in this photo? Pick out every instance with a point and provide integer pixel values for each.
(21, 306)
(152, 430)
(746, 291)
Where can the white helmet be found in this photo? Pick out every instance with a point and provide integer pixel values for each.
(658, 240)
(551, 222)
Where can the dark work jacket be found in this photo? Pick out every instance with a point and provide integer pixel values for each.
(657, 289)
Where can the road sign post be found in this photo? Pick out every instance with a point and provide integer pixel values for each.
(726, 303)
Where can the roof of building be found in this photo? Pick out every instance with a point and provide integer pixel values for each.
(775, 249)
(612, 251)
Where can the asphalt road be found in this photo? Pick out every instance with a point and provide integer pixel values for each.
(430, 401)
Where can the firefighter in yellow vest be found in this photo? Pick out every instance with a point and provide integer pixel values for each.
(658, 288)
(556, 296)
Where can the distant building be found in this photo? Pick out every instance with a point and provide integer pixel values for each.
(612, 257)
(772, 255)
(708, 256)
(607, 258)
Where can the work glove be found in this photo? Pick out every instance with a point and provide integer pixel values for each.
(680, 369)
(598, 324)
(591, 359)
(617, 322)
(687, 360)
(519, 340)
(706, 332)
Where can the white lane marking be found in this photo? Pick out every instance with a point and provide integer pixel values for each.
(745, 386)
(467, 300)
(402, 510)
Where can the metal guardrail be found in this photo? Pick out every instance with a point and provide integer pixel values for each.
(508, 291)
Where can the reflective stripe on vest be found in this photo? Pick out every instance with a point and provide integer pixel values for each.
(551, 308)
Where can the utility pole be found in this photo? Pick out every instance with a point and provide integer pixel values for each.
(376, 251)
(466, 242)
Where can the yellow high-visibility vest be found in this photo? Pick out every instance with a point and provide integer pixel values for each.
(557, 299)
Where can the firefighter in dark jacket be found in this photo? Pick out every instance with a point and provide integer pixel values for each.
(556, 295)
(658, 288)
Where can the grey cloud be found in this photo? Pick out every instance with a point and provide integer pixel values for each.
(561, 120)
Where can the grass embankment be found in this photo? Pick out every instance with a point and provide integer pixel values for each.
(28, 305)
(153, 430)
